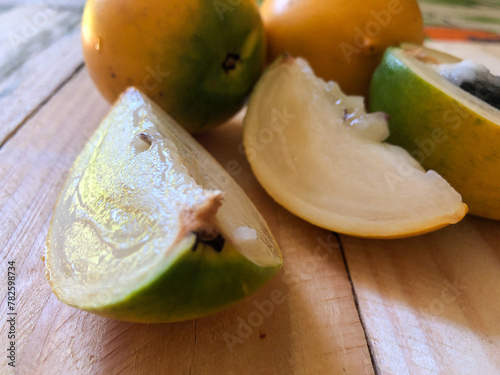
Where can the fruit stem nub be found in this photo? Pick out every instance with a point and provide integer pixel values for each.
(216, 243)
(230, 62)
(200, 220)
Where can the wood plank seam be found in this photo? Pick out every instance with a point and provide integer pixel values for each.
(358, 309)
(40, 106)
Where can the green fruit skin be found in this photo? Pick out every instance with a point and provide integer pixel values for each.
(202, 94)
(441, 134)
(197, 283)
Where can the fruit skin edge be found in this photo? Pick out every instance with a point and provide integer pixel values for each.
(475, 176)
(193, 284)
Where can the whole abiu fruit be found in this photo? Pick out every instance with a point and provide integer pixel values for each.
(197, 59)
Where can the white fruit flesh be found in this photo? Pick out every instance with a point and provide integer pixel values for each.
(318, 153)
(135, 195)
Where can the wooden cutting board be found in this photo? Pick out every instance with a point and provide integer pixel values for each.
(424, 305)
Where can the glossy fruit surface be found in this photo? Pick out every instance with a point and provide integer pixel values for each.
(342, 40)
(150, 228)
(197, 59)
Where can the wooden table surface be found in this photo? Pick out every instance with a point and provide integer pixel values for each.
(424, 305)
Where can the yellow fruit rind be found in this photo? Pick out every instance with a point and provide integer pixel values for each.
(440, 133)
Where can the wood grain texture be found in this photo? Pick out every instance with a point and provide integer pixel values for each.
(431, 304)
(40, 49)
(27, 30)
(314, 329)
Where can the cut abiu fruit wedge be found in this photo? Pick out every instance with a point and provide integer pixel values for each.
(318, 154)
(150, 228)
(446, 113)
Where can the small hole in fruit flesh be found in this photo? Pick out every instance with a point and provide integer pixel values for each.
(141, 143)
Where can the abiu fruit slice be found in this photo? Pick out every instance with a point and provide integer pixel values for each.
(320, 155)
(150, 228)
